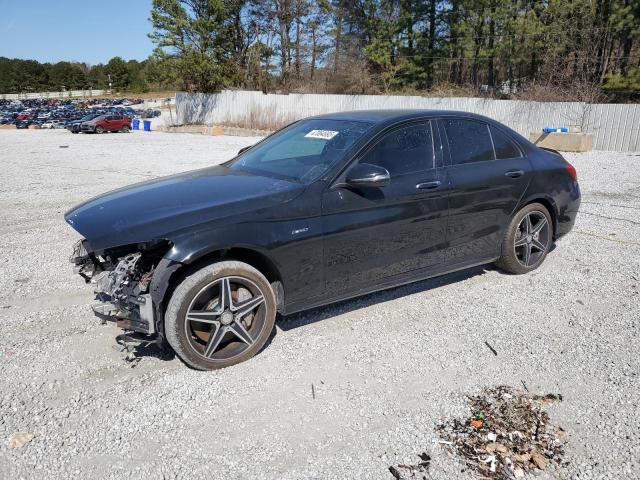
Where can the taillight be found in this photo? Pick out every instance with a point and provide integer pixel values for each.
(572, 171)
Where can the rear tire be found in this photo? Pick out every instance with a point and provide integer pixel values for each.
(220, 315)
(527, 240)
(124, 129)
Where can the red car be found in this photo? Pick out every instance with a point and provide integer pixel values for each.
(107, 123)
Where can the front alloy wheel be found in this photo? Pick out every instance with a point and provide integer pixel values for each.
(221, 315)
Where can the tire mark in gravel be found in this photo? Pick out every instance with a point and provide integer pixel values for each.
(610, 205)
(86, 169)
(20, 228)
(50, 300)
(602, 237)
(610, 218)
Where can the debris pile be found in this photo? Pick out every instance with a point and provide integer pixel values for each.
(507, 435)
(413, 471)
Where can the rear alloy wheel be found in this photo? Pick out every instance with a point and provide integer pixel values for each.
(124, 129)
(99, 129)
(527, 240)
(220, 315)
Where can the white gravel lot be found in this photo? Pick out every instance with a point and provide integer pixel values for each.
(385, 368)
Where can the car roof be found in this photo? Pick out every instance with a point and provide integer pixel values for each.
(398, 115)
(385, 118)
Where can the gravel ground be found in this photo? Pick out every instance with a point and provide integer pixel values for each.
(385, 368)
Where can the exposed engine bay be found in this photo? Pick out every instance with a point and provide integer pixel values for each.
(122, 276)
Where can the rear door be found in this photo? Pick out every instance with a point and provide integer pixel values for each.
(376, 233)
(489, 176)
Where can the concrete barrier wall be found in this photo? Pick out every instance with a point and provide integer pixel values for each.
(67, 94)
(614, 126)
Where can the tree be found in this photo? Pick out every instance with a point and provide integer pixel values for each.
(520, 48)
(198, 36)
(118, 73)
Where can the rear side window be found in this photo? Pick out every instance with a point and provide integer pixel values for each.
(405, 150)
(504, 146)
(469, 141)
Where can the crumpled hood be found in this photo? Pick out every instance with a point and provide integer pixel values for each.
(159, 208)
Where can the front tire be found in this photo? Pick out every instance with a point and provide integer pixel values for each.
(220, 315)
(527, 240)
(99, 129)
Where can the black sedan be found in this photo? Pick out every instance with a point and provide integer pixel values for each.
(328, 208)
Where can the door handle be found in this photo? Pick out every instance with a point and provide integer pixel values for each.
(428, 185)
(514, 173)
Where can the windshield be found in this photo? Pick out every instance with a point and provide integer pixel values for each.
(89, 117)
(303, 151)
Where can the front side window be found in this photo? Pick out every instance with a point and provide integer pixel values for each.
(405, 150)
(469, 141)
(303, 151)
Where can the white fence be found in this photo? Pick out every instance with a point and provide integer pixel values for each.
(67, 94)
(614, 126)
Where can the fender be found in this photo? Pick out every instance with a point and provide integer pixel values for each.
(158, 289)
(547, 200)
(192, 246)
(188, 252)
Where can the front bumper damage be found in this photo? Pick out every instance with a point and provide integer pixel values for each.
(121, 286)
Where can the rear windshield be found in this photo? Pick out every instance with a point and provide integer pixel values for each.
(303, 151)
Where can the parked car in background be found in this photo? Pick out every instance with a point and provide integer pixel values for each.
(328, 208)
(149, 113)
(74, 126)
(42, 111)
(107, 123)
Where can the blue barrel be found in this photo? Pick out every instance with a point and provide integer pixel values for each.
(136, 124)
(555, 130)
(147, 125)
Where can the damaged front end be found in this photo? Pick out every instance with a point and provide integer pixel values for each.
(122, 277)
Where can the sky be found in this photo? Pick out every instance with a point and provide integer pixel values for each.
(87, 31)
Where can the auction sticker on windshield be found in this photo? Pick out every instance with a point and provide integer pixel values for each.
(322, 134)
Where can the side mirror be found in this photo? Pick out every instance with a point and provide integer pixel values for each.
(367, 175)
(244, 149)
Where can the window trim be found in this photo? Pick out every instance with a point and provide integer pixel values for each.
(394, 128)
(513, 142)
(334, 179)
(446, 135)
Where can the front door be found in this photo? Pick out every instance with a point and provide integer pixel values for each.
(372, 234)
